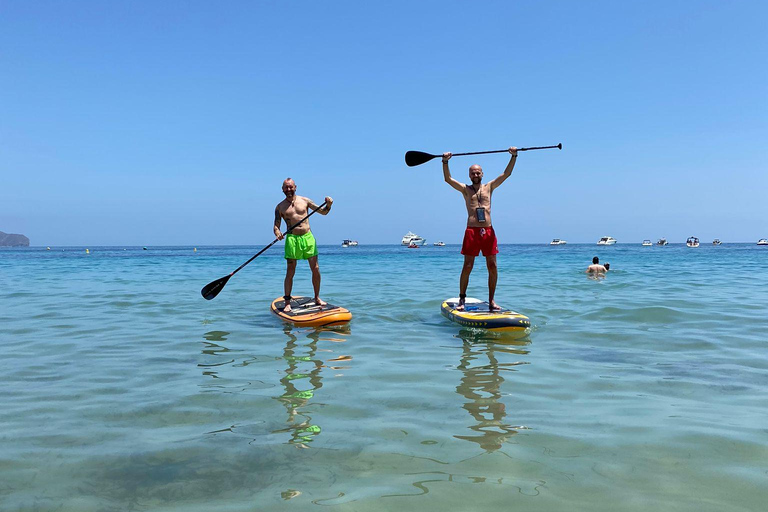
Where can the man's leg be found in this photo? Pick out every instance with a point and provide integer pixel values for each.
(288, 285)
(315, 267)
(469, 262)
(493, 274)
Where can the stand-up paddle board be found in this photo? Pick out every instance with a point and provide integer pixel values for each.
(305, 313)
(477, 314)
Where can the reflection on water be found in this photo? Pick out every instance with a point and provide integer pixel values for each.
(482, 381)
(303, 377)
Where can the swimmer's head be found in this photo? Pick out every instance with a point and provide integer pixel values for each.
(607, 266)
(595, 260)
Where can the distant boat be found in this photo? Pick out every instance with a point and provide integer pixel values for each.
(762, 241)
(349, 243)
(439, 244)
(662, 242)
(692, 241)
(413, 245)
(410, 238)
(606, 240)
(647, 243)
(557, 241)
(717, 241)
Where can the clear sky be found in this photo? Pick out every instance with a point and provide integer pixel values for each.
(175, 122)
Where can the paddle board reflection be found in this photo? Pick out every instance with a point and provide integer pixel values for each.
(483, 362)
(303, 378)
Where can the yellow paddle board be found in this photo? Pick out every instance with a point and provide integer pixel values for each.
(477, 314)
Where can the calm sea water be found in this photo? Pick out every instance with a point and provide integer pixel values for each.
(122, 389)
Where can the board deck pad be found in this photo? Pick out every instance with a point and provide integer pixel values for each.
(477, 314)
(304, 312)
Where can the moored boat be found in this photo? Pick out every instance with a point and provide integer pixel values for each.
(762, 241)
(692, 241)
(647, 243)
(557, 241)
(606, 240)
(439, 244)
(717, 241)
(412, 238)
(662, 242)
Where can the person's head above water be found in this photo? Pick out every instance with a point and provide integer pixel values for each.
(595, 260)
(607, 266)
(476, 174)
(289, 188)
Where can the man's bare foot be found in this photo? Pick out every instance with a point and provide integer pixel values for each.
(287, 308)
(320, 302)
(493, 306)
(460, 307)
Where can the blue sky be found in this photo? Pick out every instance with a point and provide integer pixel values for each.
(175, 122)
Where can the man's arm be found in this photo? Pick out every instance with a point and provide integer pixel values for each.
(325, 210)
(447, 174)
(508, 171)
(278, 219)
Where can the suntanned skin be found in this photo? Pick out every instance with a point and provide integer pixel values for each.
(478, 195)
(291, 210)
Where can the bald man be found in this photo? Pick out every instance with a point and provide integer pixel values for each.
(299, 243)
(479, 235)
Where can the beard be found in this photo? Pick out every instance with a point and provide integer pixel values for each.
(477, 181)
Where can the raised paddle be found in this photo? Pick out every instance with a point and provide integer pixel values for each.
(213, 288)
(414, 158)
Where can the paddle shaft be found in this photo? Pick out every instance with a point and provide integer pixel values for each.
(276, 240)
(559, 146)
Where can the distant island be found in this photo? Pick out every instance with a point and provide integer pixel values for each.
(8, 240)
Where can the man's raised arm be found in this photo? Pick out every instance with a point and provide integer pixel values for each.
(447, 174)
(322, 211)
(508, 171)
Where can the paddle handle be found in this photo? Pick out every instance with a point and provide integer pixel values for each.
(291, 228)
(559, 146)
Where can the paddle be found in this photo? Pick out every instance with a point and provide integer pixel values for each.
(414, 158)
(213, 288)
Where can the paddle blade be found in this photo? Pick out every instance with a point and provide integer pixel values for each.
(213, 288)
(414, 158)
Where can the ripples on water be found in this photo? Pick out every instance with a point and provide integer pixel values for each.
(125, 390)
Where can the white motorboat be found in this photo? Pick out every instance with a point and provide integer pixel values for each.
(557, 241)
(410, 238)
(662, 241)
(762, 241)
(647, 243)
(439, 244)
(606, 240)
(717, 241)
(692, 241)
(349, 243)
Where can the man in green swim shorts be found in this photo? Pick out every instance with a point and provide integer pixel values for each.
(299, 243)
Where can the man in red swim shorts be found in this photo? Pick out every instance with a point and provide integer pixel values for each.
(479, 235)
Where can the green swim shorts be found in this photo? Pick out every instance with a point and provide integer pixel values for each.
(300, 247)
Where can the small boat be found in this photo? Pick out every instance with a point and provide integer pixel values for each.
(647, 243)
(692, 241)
(439, 244)
(413, 245)
(557, 241)
(412, 237)
(717, 241)
(349, 243)
(762, 241)
(606, 240)
(662, 242)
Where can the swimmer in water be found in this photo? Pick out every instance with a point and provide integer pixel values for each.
(597, 268)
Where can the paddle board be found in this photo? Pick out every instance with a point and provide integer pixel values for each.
(305, 313)
(477, 314)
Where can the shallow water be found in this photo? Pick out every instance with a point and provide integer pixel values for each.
(124, 390)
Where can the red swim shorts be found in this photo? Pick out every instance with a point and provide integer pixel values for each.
(479, 239)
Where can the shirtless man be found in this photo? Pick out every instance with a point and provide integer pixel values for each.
(299, 243)
(479, 235)
(596, 267)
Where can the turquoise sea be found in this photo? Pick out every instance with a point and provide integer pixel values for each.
(122, 389)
